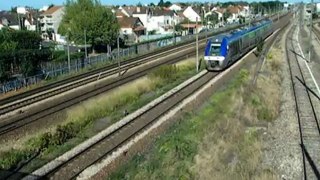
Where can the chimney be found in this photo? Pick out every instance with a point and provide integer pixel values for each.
(138, 9)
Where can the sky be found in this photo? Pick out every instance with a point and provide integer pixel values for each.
(7, 4)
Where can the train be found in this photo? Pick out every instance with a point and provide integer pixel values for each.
(223, 50)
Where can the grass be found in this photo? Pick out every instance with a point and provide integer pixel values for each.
(220, 140)
(80, 122)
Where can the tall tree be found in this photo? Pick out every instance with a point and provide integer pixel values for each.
(161, 3)
(167, 4)
(99, 22)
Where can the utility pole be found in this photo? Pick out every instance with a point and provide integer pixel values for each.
(310, 36)
(188, 27)
(278, 10)
(69, 66)
(197, 46)
(118, 46)
(85, 43)
(174, 33)
(68, 42)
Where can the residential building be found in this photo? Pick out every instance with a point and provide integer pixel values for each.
(235, 12)
(131, 28)
(193, 13)
(162, 20)
(156, 20)
(9, 19)
(175, 7)
(50, 21)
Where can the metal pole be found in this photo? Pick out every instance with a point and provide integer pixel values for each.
(174, 33)
(188, 27)
(278, 10)
(118, 55)
(69, 67)
(310, 36)
(197, 46)
(85, 43)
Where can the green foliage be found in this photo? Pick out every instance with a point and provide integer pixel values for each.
(62, 56)
(213, 18)
(226, 15)
(20, 49)
(48, 141)
(11, 158)
(99, 22)
(165, 72)
(260, 46)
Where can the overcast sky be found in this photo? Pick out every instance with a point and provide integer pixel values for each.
(7, 4)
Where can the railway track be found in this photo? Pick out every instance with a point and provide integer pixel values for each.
(17, 121)
(126, 131)
(23, 100)
(307, 117)
(45, 110)
(13, 103)
(70, 168)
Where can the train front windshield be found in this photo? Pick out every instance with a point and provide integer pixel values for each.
(215, 49)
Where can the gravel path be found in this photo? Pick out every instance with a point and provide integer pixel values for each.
(281, 147)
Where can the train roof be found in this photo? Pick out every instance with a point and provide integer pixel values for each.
(238, 34)
(218, 38)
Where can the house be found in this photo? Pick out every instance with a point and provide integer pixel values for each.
(175, 7)
(162, 20)
(131, 28)
(219, 12)
(144, 14)
(234, 14)
(193, 13)
(30, 20)
(154, 19)
(50, 21)
(9, 19)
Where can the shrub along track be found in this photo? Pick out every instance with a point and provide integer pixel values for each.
(307, 117)
(12, 123)
(122, 134)
(70, 168)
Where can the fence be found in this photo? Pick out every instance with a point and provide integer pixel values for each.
(52, 69)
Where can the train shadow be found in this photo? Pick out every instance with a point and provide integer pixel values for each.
(307, 87)
(310, 161)
(12, 175)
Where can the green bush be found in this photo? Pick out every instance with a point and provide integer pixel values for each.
(10, 159)
(165, 72)
(62, 56)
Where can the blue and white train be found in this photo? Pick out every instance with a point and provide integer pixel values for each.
(222, 50)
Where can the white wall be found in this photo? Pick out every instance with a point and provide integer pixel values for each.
(175, 7)
(191, 14)
(143, 18)
(127, 31)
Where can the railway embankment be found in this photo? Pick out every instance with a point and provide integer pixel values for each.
(90, 117)
(241, 132)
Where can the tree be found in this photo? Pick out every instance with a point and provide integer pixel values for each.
(167, 4)
(152, 5)
(139, 4)
(99, 22)
(161, 3)
(213, 18)
(226, 15)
